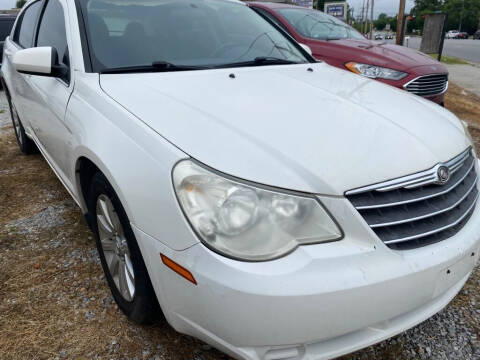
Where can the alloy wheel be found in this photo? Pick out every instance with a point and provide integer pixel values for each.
(115, 248)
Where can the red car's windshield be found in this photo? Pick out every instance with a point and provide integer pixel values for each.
(318, 25)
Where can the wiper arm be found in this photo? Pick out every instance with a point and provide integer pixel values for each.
(273, 60)
(259, 61)
(156, 66)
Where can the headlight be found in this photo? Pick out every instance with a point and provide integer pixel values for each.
(375, 72)
(246, 222)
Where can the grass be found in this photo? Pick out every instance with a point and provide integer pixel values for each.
(450, 60)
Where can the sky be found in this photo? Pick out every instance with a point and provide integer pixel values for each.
(390, 7)
(8, 4)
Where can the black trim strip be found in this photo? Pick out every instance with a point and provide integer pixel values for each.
(87, 58)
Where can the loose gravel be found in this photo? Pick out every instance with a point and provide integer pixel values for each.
(55, 303)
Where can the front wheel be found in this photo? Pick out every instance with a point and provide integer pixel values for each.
(120, 255)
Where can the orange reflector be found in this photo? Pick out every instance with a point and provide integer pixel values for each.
(351, 66)
(180, 270)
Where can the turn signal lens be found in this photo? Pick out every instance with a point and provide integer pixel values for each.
(180, 270)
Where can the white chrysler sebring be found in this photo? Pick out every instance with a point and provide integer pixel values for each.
(272, 206)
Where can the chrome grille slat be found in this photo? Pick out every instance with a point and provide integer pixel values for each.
(428, 85)
(458, 160)
(418, 209)
(398, 203)
(429, 214)
(465, 214)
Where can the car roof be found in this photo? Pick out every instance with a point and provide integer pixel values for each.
(273, 5)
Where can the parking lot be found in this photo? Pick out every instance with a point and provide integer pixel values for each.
(55, 303)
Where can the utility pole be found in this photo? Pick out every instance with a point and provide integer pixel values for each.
(400, 20)
(366, 17)
(371, 20)
(363, 10)
(461, 16)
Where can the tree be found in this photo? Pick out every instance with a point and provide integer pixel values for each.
(460, 12)
(463, 13)
(319, 4)
(20, 3)
(381, 21)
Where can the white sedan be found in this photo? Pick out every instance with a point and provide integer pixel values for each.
(270, 205)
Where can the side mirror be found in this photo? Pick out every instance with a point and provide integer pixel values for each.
(42, 61)
(307, 49)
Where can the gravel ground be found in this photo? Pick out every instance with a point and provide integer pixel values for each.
(54, 300)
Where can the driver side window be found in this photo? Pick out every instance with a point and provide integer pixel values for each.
(23, 34)
(52, 32)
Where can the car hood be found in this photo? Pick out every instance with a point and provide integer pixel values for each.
(383, 54)
(323, 131)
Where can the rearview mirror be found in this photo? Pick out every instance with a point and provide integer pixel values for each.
(42, 61)
(307, 49)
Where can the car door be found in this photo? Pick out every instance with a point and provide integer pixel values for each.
(50, 94)
(21, 38)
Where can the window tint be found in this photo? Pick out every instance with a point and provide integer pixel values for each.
(52, 31)
(26, 26)
(5, 28)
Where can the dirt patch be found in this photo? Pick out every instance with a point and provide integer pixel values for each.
(464, 104)
(55, 303)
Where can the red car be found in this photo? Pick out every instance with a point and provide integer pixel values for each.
(340, 45)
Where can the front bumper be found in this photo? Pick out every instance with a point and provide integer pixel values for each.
(319, 302)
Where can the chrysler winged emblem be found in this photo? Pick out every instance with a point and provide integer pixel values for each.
(443, 175)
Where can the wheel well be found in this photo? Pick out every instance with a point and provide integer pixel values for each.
(85, 171)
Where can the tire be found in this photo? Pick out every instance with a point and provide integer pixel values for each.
(26, 145)
(120, 255)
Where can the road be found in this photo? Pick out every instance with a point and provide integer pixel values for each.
(463, 49)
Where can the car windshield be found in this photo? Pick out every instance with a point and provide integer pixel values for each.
(318, 25)
(182, 34)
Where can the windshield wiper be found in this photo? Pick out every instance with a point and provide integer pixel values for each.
(259, 61)
(156, 66)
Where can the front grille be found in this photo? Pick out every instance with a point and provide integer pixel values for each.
(419, 210)
(428, 85)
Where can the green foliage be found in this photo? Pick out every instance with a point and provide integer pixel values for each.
(383, 20)
(449, 60)
(468, 12)
(319, 4)
(20, 3)
(465, 11)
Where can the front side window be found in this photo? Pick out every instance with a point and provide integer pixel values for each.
(207, 33)
(26, 26)
(52, 31)
(318, 25)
